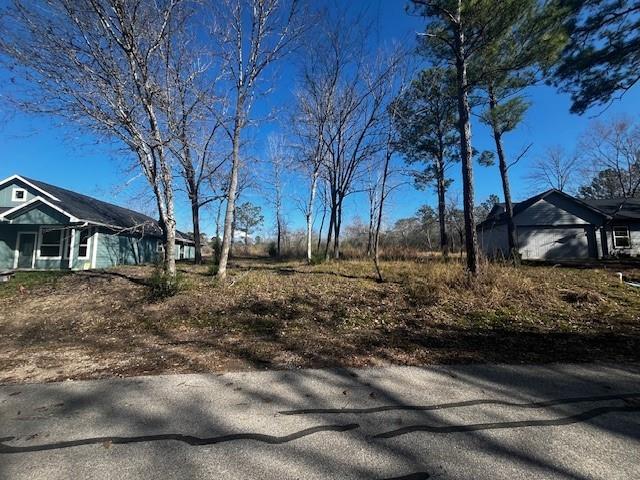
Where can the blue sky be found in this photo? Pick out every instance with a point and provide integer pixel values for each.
(47, 150)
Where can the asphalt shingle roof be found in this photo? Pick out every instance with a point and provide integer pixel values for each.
(616, 208)
(620, 208)
(93, 210)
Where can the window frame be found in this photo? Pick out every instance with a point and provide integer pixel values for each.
(76, 235)
(616, 237)
(14, 198)
(41, 244)
(79, 240)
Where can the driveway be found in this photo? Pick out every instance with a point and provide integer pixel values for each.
(462, 422)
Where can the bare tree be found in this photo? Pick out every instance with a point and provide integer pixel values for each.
(253, 34)
(384, 192)
(353, 134)
(374, 182)
(195, 127)
(102, 64)
(456, 222)
(278, 162)
(324, 200)
(555, 169)
(614, 147)
(313, 106)
(391, 143)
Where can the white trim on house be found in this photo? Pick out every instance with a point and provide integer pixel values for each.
(94, 253)
(72, 245)
(35, 200)
(60, 247)
(626, 236)
(18, 177)
(16, 255)
(14, 195)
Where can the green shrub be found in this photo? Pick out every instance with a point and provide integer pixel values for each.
(163, 285)
(318, 258)
(273, 250)
(212, 269)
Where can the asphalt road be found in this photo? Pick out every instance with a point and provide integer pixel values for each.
(463, 422)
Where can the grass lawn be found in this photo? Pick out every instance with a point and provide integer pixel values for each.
(286, 315)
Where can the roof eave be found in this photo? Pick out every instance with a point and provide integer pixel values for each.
(33, 201)
(27, 182)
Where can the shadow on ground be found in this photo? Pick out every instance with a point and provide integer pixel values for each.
(415, 423)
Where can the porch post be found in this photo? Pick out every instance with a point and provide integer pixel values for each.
(71, 247)
(94, 248)
(605, 241)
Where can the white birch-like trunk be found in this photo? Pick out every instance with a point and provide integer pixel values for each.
(231, 199)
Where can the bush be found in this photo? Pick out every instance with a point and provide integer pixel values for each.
(273, 250)
(318, 258)
(162, 285)
(212, 269)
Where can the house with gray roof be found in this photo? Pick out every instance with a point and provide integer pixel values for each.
(44, 227)
(554, 225)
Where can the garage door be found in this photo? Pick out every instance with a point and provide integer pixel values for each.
(538, 243)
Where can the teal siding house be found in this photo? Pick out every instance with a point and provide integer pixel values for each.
(44, 227)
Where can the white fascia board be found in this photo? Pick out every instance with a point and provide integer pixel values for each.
(18, 177)
(36, 200)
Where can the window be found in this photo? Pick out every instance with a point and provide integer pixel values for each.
(621, 237)
(83, 244)
(19, 195)
(50, 243)
(159, 247)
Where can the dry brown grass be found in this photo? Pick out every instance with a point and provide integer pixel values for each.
(287, 314)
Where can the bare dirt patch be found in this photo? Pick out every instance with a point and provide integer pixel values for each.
(289, 315)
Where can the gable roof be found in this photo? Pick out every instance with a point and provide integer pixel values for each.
(36, 200)
(30, 184)
(618, 208)
(88, 209)
(498, 213)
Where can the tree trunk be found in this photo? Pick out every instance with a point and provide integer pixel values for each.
(193, 190)
(231, 197)
(464, 126)
(332, 219)
(195, 216)
(376, 239)
(233, 233)
(217, 245)
(170, 250)
(442, 211)
(506, 189)
(336, 231)
(371, 230)
(324, 214)
(312, 197)
(279, 234)
(168, 220)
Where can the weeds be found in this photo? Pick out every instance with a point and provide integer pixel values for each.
(162, 285)
(290, 314)
(26, 281)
